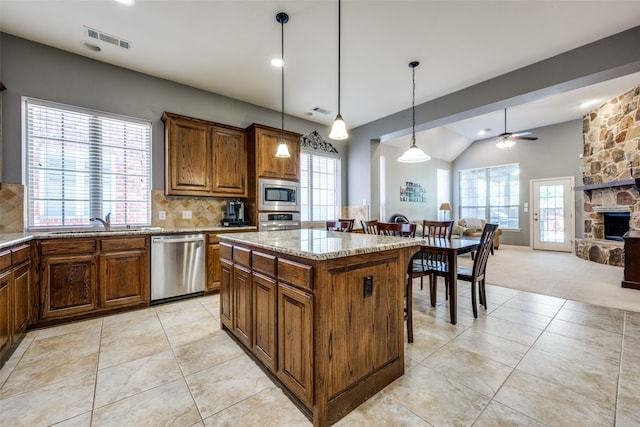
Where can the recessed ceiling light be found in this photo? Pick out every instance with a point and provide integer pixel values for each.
(127, 2)
(277, 62)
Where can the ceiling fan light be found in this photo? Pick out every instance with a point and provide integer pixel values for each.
(505, 144)
(283, 150)
(339, 129)
(414, 155)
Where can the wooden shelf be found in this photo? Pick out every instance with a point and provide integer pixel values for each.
(588, 188)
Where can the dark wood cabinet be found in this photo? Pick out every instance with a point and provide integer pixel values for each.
(242, 301)
(124, 272)
(264, 141)
(631, 257)
(295, 341)
(226, 294)
(204, 158)
(21, 298)
(85, 277)
(5, 311)
(265, 292)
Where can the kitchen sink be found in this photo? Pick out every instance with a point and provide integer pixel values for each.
(113, 230)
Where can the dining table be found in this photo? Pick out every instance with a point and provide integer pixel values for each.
(450, 248)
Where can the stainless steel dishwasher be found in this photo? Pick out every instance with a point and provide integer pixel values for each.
(178, 266)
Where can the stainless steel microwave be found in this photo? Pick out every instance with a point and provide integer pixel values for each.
(278, 195)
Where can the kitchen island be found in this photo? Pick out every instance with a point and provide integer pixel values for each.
(322, 312)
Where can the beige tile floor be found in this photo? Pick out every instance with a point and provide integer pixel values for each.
(529, 360)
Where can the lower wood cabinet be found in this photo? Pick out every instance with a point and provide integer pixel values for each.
(242, 301)
(265, 291)
(295, 341)
(15, 295)
(84, 277)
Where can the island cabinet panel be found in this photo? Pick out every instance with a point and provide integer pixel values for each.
(295, 341)
(242, 304)
(226, 294)
(21, 298)
(264, 319)
(361, 323)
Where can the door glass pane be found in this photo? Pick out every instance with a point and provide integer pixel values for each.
(552, 214)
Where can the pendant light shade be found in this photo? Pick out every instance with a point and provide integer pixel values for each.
(339, 128)
(414, 154)
(283, 150)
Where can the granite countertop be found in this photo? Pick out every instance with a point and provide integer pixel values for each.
(318, 244)
(11, 239)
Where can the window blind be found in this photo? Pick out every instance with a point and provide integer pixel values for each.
(82, 164)
(319, 187)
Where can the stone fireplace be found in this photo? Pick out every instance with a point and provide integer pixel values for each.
(611, 175)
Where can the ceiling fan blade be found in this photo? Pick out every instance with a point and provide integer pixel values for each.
(521, 133)
(525, 138)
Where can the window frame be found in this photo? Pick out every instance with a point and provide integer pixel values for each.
(96, 156)
(338, 185)
(488, 207)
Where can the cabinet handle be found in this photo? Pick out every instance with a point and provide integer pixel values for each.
(330, 345)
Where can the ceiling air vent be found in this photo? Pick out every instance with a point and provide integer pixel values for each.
(99, 35)
(320, 110)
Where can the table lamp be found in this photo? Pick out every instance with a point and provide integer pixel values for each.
(445, 207)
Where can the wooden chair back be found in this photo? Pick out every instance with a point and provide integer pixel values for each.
(340, 225)
(369, 227)
(401, 229)
(437, 229)
(351, 221)
(483, 251)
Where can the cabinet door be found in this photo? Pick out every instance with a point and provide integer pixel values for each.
(124, 279)
(229, 162)
(295, 340)
(213, 267)
(5, 312)
(242, 304)
(22, 298)
(69, 285)
(226, 294)
(270, 166)
(264, 320)
(188, 157)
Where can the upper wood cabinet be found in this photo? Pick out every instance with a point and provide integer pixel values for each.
(204, 158)
(263, 141)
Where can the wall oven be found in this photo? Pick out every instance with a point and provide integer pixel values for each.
(272, 221)
(278, 195)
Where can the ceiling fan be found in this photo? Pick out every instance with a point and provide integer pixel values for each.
(506, 139)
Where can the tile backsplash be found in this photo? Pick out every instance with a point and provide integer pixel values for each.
(11, 208)
(205, 211)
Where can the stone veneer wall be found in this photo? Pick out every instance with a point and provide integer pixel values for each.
(611, 153)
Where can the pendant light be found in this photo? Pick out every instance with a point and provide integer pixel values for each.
(283, 150)
(413, 154)
(339, 128)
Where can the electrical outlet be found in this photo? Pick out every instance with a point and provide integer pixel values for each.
(186, 214)
(162, 215)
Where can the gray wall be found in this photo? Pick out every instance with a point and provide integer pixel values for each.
(34, 70)
(555, 154)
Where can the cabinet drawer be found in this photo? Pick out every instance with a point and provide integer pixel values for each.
(295, 273)
(5, 260)
(226, 251)
(124, 244)
(242, 256)
(67, 246)
(264, 263)
(20, 254)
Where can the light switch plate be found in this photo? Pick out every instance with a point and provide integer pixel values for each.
(186, 214)
(162, 215)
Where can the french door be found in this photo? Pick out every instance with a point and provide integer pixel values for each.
(553, 219)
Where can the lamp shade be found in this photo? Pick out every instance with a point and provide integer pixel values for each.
(413, 155)
(283, 150)
(339, 129)
(445, 206)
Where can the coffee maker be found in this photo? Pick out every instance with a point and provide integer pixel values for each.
(234, 217)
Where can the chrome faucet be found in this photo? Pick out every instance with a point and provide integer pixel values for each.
(106, 222)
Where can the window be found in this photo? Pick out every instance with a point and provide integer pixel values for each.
(319, 186)
(492, 194)
(82, 164)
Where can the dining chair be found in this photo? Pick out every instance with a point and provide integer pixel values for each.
(475, 275)
(344, 226)
(422, 262)
(369, 227)
(351, 221)
(401, 229)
